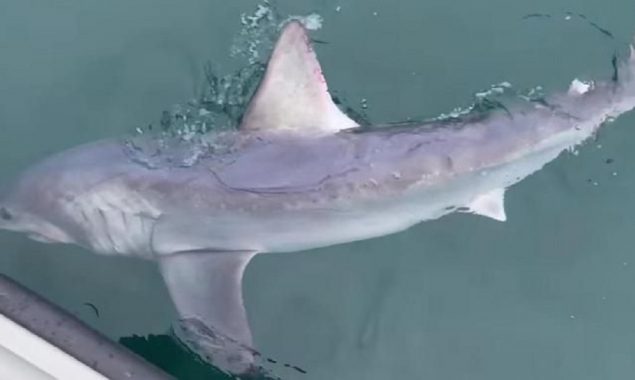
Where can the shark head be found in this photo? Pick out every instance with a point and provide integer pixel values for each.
(21, 207)
(15, 219)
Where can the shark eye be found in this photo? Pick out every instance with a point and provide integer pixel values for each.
(5, 214)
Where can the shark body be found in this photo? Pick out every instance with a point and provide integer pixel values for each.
(298, 174)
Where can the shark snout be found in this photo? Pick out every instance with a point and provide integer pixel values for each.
(9, 219)
(5, 214)
(6, 217)
(13, 219)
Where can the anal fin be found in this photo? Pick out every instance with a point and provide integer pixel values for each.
(491, 205)
(206, 288)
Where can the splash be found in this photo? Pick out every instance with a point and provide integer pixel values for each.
(258, 33)
(312, 21)
(498, 97)
(187, 132)
(226, 97)
(204, 126)
(261, 28)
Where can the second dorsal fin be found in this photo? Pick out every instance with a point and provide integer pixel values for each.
(293, 94)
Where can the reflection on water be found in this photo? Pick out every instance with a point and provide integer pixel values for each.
(547, 295)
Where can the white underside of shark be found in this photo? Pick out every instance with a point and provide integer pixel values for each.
(300, 174)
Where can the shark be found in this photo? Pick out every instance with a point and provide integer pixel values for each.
(297, 174)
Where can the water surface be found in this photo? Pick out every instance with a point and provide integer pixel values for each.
(550, 294)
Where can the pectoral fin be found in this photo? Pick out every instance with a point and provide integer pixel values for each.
(206, 288)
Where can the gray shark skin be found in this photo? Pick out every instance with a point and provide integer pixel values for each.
(298, 174)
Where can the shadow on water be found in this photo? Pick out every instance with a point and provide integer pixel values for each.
(166, 353)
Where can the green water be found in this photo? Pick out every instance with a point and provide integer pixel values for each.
(550, 294)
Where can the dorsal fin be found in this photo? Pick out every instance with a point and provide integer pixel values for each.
(293, 94)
